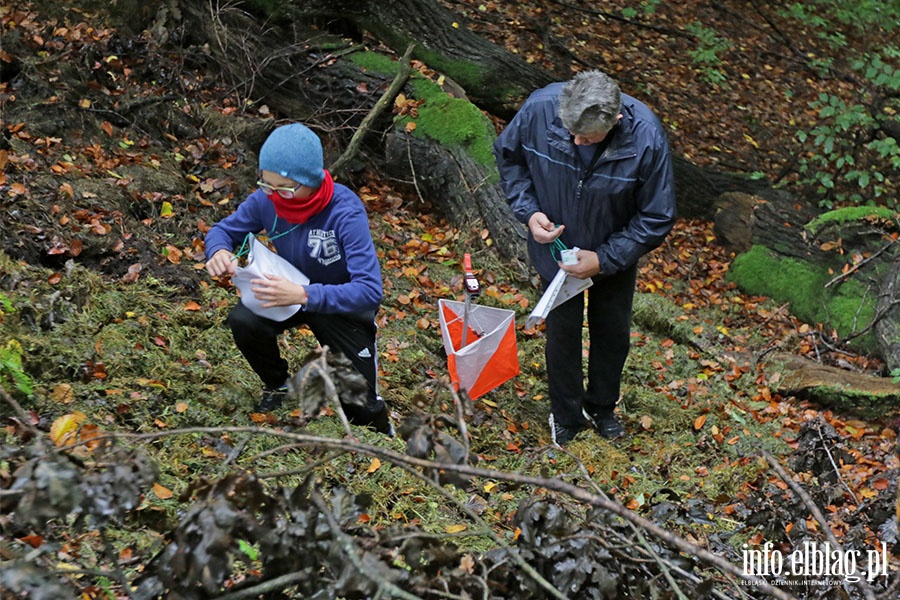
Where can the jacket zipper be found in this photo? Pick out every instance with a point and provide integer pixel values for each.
(579, 212)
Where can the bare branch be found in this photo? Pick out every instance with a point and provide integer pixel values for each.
(386, 100)
(816, 513)
(552, 483)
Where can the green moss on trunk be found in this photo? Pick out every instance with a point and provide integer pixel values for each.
(849, 401)
(846, 307)
(850, 214)
(453, 122)
(378, 63)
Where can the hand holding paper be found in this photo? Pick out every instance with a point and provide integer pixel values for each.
(261, 263)
(587, 265)
(277, 291)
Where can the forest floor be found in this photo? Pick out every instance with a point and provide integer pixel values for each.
(104, 299)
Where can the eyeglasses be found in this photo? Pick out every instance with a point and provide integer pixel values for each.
(284, 192)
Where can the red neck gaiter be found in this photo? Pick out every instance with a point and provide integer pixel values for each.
(300, 210)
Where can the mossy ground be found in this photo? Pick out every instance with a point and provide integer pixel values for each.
(454, 122)
(150, 357)
(139, 358)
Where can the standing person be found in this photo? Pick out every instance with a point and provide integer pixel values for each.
(588, 166)
(322, 229)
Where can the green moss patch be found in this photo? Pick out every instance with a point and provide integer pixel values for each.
(850, 214)
(452, 121)
(378, 63)
(846, 307)
(467, 73)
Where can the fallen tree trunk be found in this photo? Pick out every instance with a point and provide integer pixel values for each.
(838, 268)
(838, 389)
(310, 77)
(698, 190)
(774, 220)
(493, 78)
(461, 189)
(887, 329)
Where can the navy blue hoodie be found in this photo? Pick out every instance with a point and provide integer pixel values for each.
(333, 248)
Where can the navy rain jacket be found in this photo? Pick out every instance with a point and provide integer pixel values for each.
(622, 208)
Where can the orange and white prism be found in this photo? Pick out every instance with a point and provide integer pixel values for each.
(490, 356)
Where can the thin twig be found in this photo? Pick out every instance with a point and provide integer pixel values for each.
(236, 451)
(310, 466)
(814, 510)
(460, 417)
(662, 564)
(861, 264)
(117, 573)
(23, 416)
(511, 552)
(331, 391)
(412, 170)
(879, 315)
(349, 549)
(270, 585)
(319, 367)
(837, 471)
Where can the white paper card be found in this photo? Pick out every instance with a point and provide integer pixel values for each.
(563, 287)
(262, 261)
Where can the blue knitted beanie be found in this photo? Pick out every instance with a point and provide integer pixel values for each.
(295, 152)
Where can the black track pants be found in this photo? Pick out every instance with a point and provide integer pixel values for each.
(351, 335)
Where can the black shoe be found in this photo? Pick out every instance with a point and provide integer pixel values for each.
(381, 423)
(560, 434)
(605, 422)
(377, 421)
(272, 399)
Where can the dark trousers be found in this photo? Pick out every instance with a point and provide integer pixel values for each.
(609, 303)
(351, 335)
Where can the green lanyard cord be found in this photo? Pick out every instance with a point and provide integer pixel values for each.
(557, 246)
(245, 245)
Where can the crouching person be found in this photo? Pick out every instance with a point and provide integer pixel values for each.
(322, 229)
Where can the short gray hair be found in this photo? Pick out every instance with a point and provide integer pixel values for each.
(590, 103)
